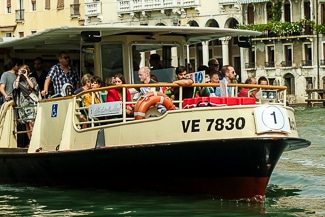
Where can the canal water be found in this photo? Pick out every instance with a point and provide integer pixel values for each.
(296, 188)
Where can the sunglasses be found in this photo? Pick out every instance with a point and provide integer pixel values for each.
(66, 57)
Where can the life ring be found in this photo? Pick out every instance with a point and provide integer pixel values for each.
(150, 99)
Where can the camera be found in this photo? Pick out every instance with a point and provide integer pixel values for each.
(23, 71)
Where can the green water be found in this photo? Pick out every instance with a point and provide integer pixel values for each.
(296, 188)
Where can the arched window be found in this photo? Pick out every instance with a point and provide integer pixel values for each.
(289, 81)
(269, 14)
(307, 10)
(250, 14)
(287, 11)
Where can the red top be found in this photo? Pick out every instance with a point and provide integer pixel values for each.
(112, 96)
(243, 92)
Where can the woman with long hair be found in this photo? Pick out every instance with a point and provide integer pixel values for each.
(26, 98)
(114, 95)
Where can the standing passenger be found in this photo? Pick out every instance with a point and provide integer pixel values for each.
(214, 67)
(61, 74)
(40, 74)
(8, 78)
(26, 85)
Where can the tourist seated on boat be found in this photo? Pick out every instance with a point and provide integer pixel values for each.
(26, 95)
(261, 81)
(228, 74)
(210, 91)
(96, 82)
(155, 78)
(244, 92)
(114, 95)
(144, 74)
(182, 80)
(85, 83)
(67, 90)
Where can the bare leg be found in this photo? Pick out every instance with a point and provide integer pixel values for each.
(28, 129)
(31, 126)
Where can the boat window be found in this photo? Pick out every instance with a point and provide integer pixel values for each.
(168, 53)
(87, 59)
(112, 60)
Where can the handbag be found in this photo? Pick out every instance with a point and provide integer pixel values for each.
(34, 96)
(31, 93)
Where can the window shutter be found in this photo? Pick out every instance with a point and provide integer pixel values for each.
(60, 4)
(47, 4)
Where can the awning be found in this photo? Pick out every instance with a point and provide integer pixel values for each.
(251, 1)
(7, 28)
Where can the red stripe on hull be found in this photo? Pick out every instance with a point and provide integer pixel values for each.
(227, 188)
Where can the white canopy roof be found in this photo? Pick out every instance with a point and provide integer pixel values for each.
(68, 37)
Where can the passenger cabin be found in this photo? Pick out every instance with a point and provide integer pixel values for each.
(105, 50)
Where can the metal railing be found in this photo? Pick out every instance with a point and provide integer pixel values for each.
(306, 62)
(84, 121)
(269, 64)
(250, 65)
(286, 63)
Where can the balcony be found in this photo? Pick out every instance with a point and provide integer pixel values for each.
(286, 63)
(306, 62)
(74, 10)
(20, 15)
(93, 9)
(134, 6)
(269, 64)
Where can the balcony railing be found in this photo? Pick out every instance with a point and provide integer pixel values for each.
(306, 62)
(250, 65)
(228, 2)
(20, 15)
(74, 10)
(131, 6)
(269, 64)
(93, 9)
(286, 63)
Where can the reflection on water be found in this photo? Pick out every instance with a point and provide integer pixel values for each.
(296, 188)
(300, 175)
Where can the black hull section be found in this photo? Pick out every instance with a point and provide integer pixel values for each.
(229, 169)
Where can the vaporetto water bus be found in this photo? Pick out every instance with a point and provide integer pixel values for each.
(224, 146)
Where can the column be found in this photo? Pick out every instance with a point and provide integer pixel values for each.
(205, 52)
(225, 50)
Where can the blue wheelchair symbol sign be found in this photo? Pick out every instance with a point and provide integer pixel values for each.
(54, 112)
